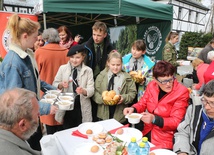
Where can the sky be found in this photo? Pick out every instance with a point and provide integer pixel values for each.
(206, 2)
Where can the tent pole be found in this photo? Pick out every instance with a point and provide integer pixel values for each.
(44, 20)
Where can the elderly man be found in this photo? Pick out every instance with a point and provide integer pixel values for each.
(19, 114)
(195, 134)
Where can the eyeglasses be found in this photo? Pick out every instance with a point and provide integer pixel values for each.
(166, 81)
(205, 102)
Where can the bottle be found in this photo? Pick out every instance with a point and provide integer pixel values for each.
(147, 146)
(132, 147)
(141, 149)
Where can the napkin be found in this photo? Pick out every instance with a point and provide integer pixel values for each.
(79, 134)
(114, 130)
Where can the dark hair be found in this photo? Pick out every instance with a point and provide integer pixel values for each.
(171, 35)
(139, 45)
(67, 31)
(163, 68)
(209, 89)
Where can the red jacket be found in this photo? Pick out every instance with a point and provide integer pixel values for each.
(201, 69)
(171, 107)
(209, 73)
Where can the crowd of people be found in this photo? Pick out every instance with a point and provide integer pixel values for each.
(37, 62)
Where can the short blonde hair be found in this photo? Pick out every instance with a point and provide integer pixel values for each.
(113, 54)
(196, 62)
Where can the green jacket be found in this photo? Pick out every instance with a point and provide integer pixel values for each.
(169, 54)
(128, 92)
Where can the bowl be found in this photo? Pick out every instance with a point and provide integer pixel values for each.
(47, 101)
(50, 96)
(66, 98)
(134, 118)
(66, 105)
(56, 92)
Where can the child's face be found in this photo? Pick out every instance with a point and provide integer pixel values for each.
(115, 65)
(76, 59)
(137, 54)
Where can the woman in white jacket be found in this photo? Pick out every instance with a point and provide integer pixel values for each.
(82, 85)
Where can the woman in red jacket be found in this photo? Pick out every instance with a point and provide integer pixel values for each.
(163, 106)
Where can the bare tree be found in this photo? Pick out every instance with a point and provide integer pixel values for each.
(211, 20)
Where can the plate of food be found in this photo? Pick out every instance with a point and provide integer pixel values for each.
(162, 151)
(88, 149)
(116, 148)
(125, 134)
(90, 128)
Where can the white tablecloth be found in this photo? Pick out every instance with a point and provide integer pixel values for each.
(63, 143)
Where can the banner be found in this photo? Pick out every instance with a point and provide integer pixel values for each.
(5, 34)
(154, 35)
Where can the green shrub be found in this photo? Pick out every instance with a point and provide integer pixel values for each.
(193, 39)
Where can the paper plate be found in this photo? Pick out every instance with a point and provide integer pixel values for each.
(128, 133)
(163, 151)
(85, 148)
(95, 127)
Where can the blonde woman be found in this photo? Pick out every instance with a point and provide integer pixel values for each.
(19, 68)
(200, 68)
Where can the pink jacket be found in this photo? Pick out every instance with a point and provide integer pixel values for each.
(200, 74)
(209, 73)
(172, 108)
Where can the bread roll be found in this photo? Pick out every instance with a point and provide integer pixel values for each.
(102, 135)
(111, 93)
(95, 149)
(107, 98)
(132, 73)
(116, 97)
(101, 141)
(89, 131)
(105, 93)
(108, 139)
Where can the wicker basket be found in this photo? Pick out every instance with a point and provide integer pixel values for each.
(138, 79)
(111, 102)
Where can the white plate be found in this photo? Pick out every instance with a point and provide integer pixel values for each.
(96, 128)
(128, 133)
(85, 149)
(163, 151)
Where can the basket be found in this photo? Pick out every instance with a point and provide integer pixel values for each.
(111, 102)
(138, 79)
